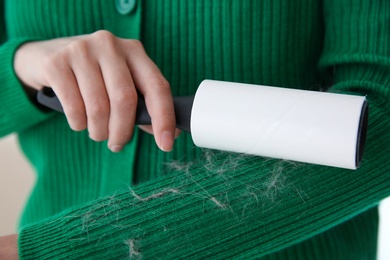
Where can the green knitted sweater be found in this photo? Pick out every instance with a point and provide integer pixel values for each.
(89, 203)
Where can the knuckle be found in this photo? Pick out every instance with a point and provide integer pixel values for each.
(75, 110)
(98, 108)
(135, 44)
(106, 39)
(125, 96)
(103, 35)
(161, 85)
(79, 47)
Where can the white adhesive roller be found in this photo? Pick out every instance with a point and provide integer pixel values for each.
(299, 125)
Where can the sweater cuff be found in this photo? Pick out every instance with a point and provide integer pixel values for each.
(46, 241)
(105, 227)
(17, 110)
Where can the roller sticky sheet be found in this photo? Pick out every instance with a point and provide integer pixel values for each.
(299, 125)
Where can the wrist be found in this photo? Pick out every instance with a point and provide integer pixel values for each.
(9, 247)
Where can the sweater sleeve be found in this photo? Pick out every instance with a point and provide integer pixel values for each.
(17, 112)
(227, 205)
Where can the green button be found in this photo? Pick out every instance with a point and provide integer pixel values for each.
(125, 6)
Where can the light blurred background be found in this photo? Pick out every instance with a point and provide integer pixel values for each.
(17, 179)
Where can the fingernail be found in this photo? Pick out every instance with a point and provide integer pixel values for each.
(166, 140)
(116, 148)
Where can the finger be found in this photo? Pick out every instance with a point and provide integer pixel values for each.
(149, 129)
(177, 132)
(60, 77)
(156, 90)
(146, 128)
(123, 100)
(93, 91)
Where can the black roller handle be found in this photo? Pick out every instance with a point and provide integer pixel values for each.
(182, 105)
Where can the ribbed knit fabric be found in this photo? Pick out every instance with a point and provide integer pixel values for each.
(89, 203)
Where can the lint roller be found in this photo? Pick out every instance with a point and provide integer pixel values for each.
(299, 125)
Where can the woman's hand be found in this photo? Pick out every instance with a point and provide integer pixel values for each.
(96, 77)
(9, 247)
